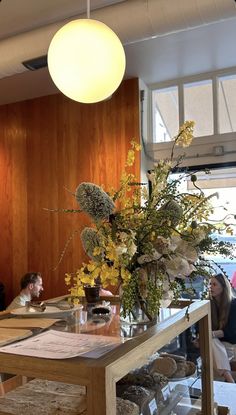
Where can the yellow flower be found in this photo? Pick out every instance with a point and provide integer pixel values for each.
(91, 266)
(77, 291)
(136, 146)
(113, 276)
(125, 275)
(153, 236)
(86, 279)
(67, 279)
(130, 158)
(105, 273)
(229, 231)
(97, 251)
(111, 251)
(185, 135)
(150, 239)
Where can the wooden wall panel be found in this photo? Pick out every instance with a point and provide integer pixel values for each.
(17, 139)
(47, 147)
(6, 249)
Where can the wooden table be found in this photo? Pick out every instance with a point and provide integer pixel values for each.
(100, 375)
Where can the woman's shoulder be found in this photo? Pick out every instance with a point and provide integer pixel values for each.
(233, 302)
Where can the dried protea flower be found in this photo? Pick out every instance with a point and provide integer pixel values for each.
(94, 201)
(173, 211)
(90, 241)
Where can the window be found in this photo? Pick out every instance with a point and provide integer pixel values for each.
(165, 114)
(227, 104)
(209, 100)
(198, 106)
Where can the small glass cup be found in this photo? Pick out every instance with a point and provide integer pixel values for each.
(92, 293)
(83, 316)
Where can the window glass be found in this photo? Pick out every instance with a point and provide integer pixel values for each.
(224, 200)
(223, 183)
(198, 106)
(165, 114)
(227, 104)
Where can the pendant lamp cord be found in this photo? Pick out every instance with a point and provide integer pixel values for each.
(88, 9)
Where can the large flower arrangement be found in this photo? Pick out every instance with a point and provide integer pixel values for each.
(145, 244)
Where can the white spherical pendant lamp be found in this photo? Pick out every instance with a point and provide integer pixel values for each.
(86, 60)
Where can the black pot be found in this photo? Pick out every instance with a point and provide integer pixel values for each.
(92, 293)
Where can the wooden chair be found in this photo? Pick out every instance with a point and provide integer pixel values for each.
(4, 314)
(9, 382)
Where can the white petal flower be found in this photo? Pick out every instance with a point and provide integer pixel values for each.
(151, 176)
(149, 258)
(199, 235)
(187, 251)
(167, 298)
(175, 240)
(178, 267)
(121, 249)
(132, 249)
(161, 245)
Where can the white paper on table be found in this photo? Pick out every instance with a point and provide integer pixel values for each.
(54, 344)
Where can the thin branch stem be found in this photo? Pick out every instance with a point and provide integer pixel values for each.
(63, 210)
(69, 191)
(65, 249)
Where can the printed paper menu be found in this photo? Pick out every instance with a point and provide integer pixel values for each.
(63, 345)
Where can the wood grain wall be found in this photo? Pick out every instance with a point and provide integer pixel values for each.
(47, 147)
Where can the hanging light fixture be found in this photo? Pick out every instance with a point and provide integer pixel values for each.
(86, 60)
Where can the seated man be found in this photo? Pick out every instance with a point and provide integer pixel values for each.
(31, 286)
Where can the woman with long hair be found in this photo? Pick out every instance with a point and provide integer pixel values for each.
(223, 316)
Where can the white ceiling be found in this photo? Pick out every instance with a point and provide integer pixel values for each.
(17, 16)
(202, 49)
(194, 45)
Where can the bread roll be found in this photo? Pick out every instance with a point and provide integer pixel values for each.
(124, 407)
(141, 396)
(176, 357)
(164, 365)
(184, 369)
(160, 379)
(181, 371)
(191, 368)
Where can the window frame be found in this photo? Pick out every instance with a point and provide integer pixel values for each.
(180, 82)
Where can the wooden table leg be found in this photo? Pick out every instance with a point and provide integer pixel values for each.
(101, 393)
(205, 338)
